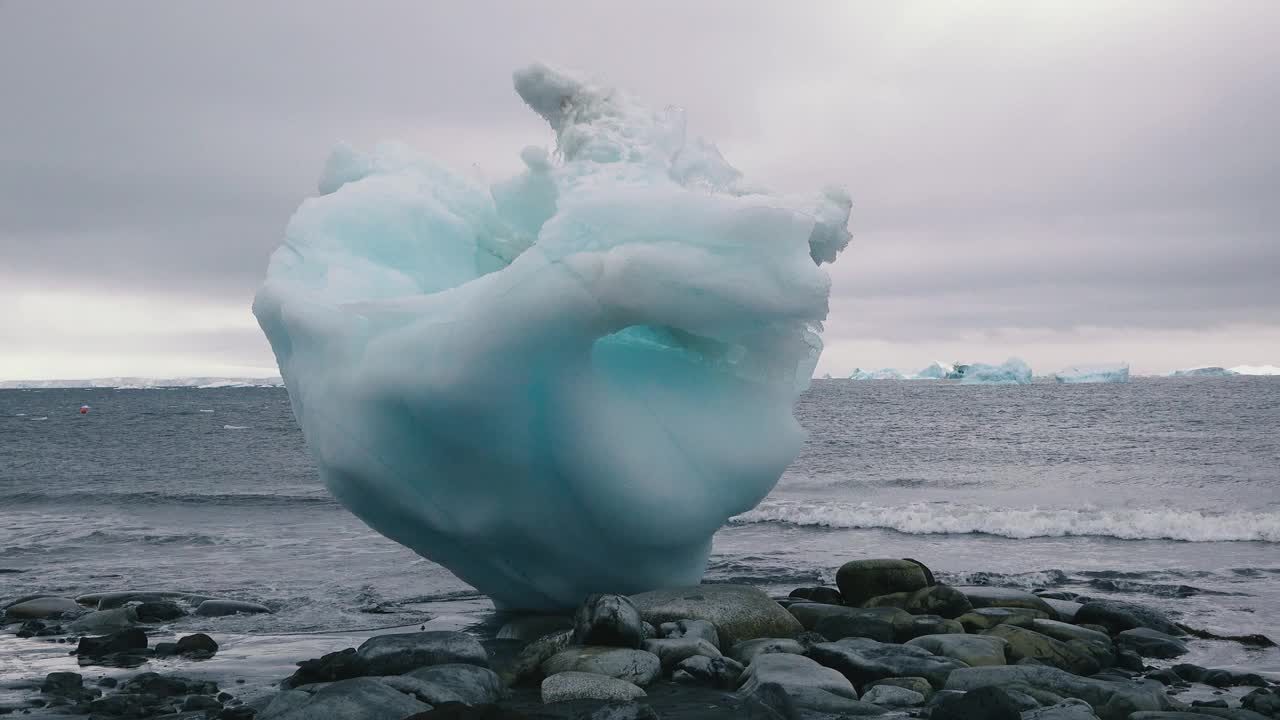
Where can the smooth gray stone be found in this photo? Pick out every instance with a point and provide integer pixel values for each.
(221, 608)
(572, 685)
(989, 617)
(671, 651)
(891, 696)
(1117, 616)
(1066, 631)
(746, 652)
(973, 650)
(1152, 643)
(982, 596)
(792, 672)
(1066, 710)
(471, 684)
(721, 672)
(107, 601)
(739, 612)
(43, 608)
(604, 619)
(861, 580)
(690, 629)
(529, 662)
(863, 661)
(639, 667)
(1024, 643)
(532, 627)
(810, 614)
(1110, 700)
(918, 684)
(101, 621)
(355, 699)
(402, 652)
(1065, 609)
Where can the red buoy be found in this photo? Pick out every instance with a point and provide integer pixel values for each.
(84, 409)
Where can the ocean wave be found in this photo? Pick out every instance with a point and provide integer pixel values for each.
(160, 498)
(945, 519)
(235, 427)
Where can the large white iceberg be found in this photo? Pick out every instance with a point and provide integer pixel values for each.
(1256, 370)
(564, 383)
(1012, 372)
(1203, 372)
(937, 371)
(1094, 374)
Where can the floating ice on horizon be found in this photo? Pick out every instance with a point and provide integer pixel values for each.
(1012, 372)
(937, 371)
(1094, 374)
(567, 382)
(881, 374)
(1203, 372)
(1255, 370)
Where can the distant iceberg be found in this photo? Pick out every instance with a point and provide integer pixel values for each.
(143, 383)
(1012, 372)
(1093, 374)
(1255, 370)
(937, 371)
(881, 374)
(1204, 372)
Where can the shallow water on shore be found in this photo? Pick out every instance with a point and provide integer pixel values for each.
(1161, 491)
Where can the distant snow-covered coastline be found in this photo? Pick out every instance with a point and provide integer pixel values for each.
(142, 383)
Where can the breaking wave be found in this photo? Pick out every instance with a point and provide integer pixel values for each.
(945, 519)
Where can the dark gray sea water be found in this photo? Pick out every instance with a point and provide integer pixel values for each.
(1165, 491)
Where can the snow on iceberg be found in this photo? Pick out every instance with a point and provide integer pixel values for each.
(1012, 372)
(881, 374)
(564, 383)
(1094, 374)
(1203, 372)
(1255, 370)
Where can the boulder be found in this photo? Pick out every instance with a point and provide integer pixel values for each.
(1065, 609)
(604, 619)
(1066, 632)
(123, 641)
(402, 652)
(973, 650)
(532, 627)
(1110, 700)
(699, 629)
(222, 608)
(918, 684)
(987, 703)
(158, 611)
(739, 612)
(455, 682)
(638, 667)
(828, 595)
(340, 665)
(987, 618)
(863, 661)
(1117, 616)
(838, 627)
(354, 699)
(1024, 643)
(528, 662)
(892, 696)
(1066, 710)
(941, 600)
(196, 646)
(746, 652)
(101, 621)
(565, 686)
(110, 600)
(719, 672)
(671, 651)
(861, 580)
(1151, 643)
(931, 625)
(622, 711)
(793, 672)
(981, 596)
(42, 608)
(810, 614)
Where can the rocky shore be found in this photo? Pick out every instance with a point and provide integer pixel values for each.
(888, 641)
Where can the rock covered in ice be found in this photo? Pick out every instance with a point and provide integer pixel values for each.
(566, 382)
(1094, 374)
(1012, 372)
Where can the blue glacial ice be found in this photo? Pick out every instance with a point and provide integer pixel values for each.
(1203, 372)
(881, 374)
(566, 382)
(1118, 373)
(937, 371)
(1012, 372)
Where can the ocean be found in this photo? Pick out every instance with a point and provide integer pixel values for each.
(1163, 491)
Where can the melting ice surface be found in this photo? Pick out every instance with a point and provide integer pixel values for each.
(568, 381)
(1012, 372)
(1093, 374)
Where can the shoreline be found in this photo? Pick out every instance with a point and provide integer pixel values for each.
(829, 628)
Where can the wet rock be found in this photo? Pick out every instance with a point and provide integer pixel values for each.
(892, 696)
(811, 614)
(200, 702)
(1064, 609)
(572, 685)
(917, 684)
(1262, 700)
(987, 618)
(635, 666)
(973, 650)
(458, 711)
(354, 699)
(1151, 643)
(158, 611)
(123, 641)
(167, 686)
(101, 621)
(1110, 700)
(985, 703)
(719, 672)
(746, 652)
(861, 580)
(439, 684)
(671, 651)
(838, 627)
(1024, 643)
(828, 595)
(341, 665)
(796, 675)
(68, 685)
(111, 600)
(242, 712)
(400, 653)
(739, 612)
(604, 619)
(982, 596)
(42, 608)
(622, 711)
(1117, 616)
(699, 629)
(529, 662)
(863, 661)
(198, 646)
(221, 608)
(1129, 660)
(532, 627)
(1066, 710)
(1066, 632)
(941, 600)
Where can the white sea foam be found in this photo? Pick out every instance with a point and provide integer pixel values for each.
(206, 411)
(946, 518)
(42, 417)
(235, 427)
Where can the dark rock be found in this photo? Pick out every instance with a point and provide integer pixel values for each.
(165, 686)
(861, 580)
(244, 712)
(985, 703)
(111, 600)
(123, 641)
(459, 711)
(221, 608)
(196, 646)
(62, 683)
(166, 649)
(1262, 701)
(104, 621)
(973, 650)
(604, 619)
(746, 652)
(1110, 700)
(354, 699)
(1189, 672)
(941, 600)
(1151, 643)
(42, 608)
(671, 651)
(1065, 609)
(698, 629)
(892, 696)
(1024, 643)
(837, 627)
(471, 684)
(108, 682)
(719, 672)
(1129, 660)
(805, 685)
(929, 625)
(621, 711)
(341, 665)
(862, 661)
(982, 596)
(635, 666)
(1218, 703)
(739, 612)
(158, 611)
(200, 702)
(828, 595)
(987, 618)
(396, 654)
(810, 614)
(1165, 677)
(1117, 616)
(528, 663)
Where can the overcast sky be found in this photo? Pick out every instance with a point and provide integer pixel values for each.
(1064, 181)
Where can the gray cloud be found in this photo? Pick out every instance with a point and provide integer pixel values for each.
(1015, 166)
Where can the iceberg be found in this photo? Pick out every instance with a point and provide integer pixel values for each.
(564, 383)
(1255, 370)
(1012, 372)
(937, 371)
(881, 374)
(1094, 374)
(1203, 372)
